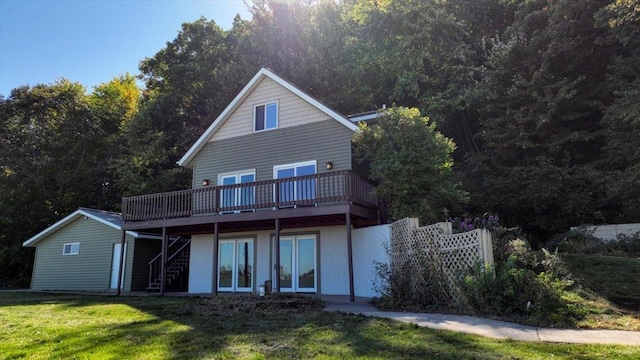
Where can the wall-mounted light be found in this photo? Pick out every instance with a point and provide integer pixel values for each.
(205, 182)
(329, 165)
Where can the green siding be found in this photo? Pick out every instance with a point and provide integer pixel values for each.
(322, 141)
(90, 270)
(146, 250)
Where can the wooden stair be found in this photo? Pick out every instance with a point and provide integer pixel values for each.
(177, 265)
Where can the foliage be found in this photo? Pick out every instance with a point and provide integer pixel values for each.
(411, 162)
(517, 288)
(54, 141)
(407, 287)
(582, 241)
(465, 223)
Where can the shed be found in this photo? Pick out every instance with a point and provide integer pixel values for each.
(82, 251)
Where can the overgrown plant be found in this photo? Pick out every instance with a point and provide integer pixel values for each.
(521, 287)
(582, 241)
(413, 285)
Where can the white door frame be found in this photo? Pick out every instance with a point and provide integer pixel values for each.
(115, 264)
(295, 262)
(234, 272)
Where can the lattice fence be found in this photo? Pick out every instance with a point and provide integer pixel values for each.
(445, 255)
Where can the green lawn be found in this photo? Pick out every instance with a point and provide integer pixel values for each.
(43, 326)
(610, 291)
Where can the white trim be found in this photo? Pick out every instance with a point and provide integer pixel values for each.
(68, 219)
(71, 246)
(253, 128)
(234, 271)
(295, 262)
(233, 105)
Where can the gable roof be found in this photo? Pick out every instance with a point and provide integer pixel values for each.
(244, 93)
(108, 218)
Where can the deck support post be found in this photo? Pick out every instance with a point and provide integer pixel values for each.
(352, 297)
(163, 261)
(216, 241)
(120, 275)
(276, 245)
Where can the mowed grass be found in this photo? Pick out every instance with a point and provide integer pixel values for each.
(56, 326)
(611, 290)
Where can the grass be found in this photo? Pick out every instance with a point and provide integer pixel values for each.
(610, 290)
(54, 326)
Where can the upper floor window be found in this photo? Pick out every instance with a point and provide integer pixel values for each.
(265, 116)
(71, 249)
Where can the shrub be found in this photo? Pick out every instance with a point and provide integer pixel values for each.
(581, 241)
(517, 288)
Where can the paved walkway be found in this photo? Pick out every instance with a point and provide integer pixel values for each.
(492, 328)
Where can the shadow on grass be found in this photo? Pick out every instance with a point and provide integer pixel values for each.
(169, 328)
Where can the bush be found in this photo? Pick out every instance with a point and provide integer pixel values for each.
(409, 287)
(581, 241)
(517, 288)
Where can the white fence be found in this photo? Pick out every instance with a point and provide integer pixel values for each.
(609, 232)
(452, 254)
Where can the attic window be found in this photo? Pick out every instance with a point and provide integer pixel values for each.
(265, 116)
(71, 249)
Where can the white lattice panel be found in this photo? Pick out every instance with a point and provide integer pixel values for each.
(449, 255)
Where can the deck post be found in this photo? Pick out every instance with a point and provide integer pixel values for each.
(163, 261)
(216, 240)
(120, 275)
(352, 297)
(276, 245)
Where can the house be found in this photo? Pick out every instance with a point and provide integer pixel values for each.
(82, 252)
(276, 199)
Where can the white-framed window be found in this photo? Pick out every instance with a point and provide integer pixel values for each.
(71, 249)
(296, 190)
(265, 116)
(235, 265)
(233, 196)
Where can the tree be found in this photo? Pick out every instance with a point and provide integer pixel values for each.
(622, 118)
(51, 143)
(412, 163)
(541, 119)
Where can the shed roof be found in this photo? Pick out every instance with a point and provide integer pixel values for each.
(108, 218)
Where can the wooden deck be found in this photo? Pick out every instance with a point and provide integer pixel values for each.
(320, 199)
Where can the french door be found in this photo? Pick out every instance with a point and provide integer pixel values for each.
(296, 190)
(235, 265)
(237, 196)
(298, 264)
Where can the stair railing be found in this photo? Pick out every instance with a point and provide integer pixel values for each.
(172, 251)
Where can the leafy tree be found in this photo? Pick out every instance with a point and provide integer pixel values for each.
(622, 117)
(188, 83)
(541, 120)
(412, 163)
(51, 143)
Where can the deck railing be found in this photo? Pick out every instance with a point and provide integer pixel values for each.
(330, 187)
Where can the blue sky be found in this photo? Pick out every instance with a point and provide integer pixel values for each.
(93, 41)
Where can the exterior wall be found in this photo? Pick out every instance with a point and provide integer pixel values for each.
(90, 270)
(145, 251)
(369, 246)
(292, 111)
(201, 264)
(610, 232)
(322, 141)
(332, 258)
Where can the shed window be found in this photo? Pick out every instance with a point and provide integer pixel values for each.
(71, 249)
(265, 117)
